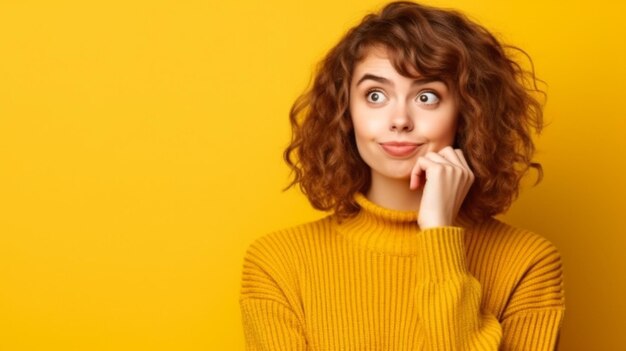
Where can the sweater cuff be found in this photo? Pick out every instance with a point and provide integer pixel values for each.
(442, 253)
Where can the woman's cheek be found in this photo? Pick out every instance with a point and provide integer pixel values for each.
(439, 132)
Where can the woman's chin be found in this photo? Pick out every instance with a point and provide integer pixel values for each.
(393, 173)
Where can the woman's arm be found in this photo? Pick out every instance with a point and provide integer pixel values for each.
(534, 314)
(270, 325)
(449, 299)
(269, 320)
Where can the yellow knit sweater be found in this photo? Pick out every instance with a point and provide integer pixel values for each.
(377, 282)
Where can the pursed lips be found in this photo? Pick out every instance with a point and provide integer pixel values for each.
(398, 148)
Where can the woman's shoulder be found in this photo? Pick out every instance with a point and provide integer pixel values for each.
(495, 226)
(273, 261)
(512, 241)
(289, 243)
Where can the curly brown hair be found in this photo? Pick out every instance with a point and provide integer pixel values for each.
(497, 100)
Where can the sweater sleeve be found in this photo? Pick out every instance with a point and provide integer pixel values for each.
(534, 315)
(270, 321)
(449, 300)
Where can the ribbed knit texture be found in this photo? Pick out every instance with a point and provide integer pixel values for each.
(378, 282)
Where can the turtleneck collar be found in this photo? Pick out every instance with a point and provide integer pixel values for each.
(383, 230)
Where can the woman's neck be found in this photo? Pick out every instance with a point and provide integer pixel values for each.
(394, 193)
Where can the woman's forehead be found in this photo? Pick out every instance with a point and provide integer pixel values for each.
(379, 59)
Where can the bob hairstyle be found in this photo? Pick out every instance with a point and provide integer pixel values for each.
(497, 108)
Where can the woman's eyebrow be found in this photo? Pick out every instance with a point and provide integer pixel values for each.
(384, 80)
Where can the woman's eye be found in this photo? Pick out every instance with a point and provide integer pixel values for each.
(428, 98)
(376, 97)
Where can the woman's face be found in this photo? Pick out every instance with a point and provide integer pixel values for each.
(388, 108)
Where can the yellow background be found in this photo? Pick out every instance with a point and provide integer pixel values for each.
(141, 152)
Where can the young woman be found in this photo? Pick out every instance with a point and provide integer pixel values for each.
(415, 133)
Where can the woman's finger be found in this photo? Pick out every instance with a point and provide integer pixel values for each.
(459, 152)
(416, 173)
(461, 157)
(437, 158)
(419, 170)
(450, 154)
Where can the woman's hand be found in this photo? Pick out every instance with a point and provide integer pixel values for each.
(448, 179)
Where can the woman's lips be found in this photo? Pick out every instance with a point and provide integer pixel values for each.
(399, 149)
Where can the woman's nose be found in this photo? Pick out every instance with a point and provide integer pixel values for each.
(401, 120)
